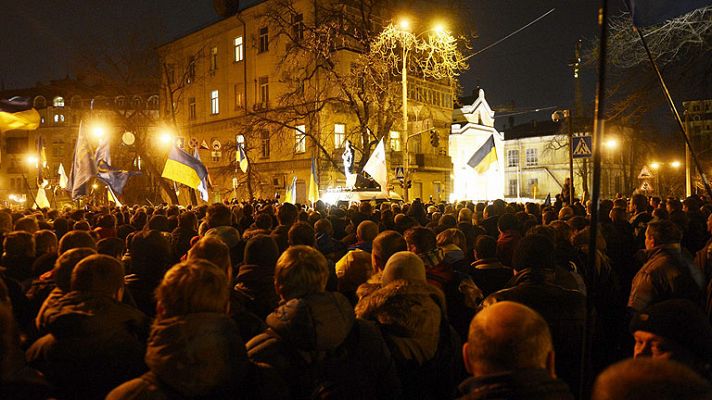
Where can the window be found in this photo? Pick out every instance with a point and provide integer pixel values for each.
(58, 118)
(171, 74)
(532, 157)
(214, 102)
(190, 73)
(239, 97)
(512, 187)
(213, 59)
(265, 144)
(300, 139)
(512, 158)
(264, 40)
(264, 91)
(298, 27)
(395, 140)
(339, 135)
(58, 101)
(191, 108)
(239, 50)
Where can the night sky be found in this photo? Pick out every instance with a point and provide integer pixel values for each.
(39, 39)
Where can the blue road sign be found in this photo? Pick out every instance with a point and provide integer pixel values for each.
(583, 146)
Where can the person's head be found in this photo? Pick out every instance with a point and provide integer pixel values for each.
(485, 247)
(534, 251)
(287, 214)
(367, 231)
(420, 240)
(5, 222)
(76, 239)
(19, 244)
(649, 379)
(215, 251)
(150, 254)
(323, 226)
(106, 221)
(218, 214)
(188, 220)
(261, 250)
(638, 203)
(618, 215)
(45, 242)
(158, 222)
(490, 211)
(263, 221)
(301, 233)
(691, 204)
(464, 215)
(452, 236)
(99, 274)
(660, 233)
(505, 337)
(565, 213)
(673, 329)
(63, 267)
(385, 245)
(300, 271)
(508, 222)
(111, 246)
(82, 225)
(27, 224)
(447, 220)
(193, 286)
(404, 265)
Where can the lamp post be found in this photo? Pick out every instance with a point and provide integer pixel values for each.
(611, 144)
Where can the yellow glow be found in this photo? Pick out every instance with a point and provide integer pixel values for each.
(612, 143)
(95, 186)
(675, 164)
(98, 131)
(439, 28)
(166, 137)
(404, 24)
(655, 165)
(31, 160)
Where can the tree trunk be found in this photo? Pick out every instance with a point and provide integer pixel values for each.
(167, 188)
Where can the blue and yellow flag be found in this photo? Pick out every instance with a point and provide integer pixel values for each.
(83, 166)
(17, 113)
(242, 158)
(313, 194)
(184, 168)
(484, 156)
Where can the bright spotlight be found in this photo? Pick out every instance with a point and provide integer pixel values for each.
(98, 131)
(655, 165)
(439, 28)
(404, 24)
(31, 160)
(675, 164)
(166, 137)
(612, 143)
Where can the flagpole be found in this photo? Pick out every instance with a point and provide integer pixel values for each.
(673, 108)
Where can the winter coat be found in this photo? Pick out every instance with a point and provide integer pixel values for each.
(490, 275)
(524, 384)
(190, 356)
(412, 318)
(304, 332)
(507, 243)
(256, 285)
(180, 241)
(94, 343)
(665, 275)
(563, 309)
(280, 234)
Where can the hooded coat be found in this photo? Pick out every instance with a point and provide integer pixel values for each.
(411, 315)
(197, 355)
(308, 334)
(94, 343)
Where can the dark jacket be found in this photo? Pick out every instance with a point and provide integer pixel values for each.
(280, 234)
(95, 343)
(526, 384)
(563, 309)
(412, 318)
(490, 275)
(665, 275)
(490, 226)
(256, 285)
(507, 243)
(180, 241)
(190, 356)
(305, 332)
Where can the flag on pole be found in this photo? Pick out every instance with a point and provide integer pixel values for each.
(313, 195)
(41, 161)
(184, 168)
(83, 166)
(653, 12)
(17, 113)
(484, 157)
(242, 158)
(63, 180)
(291, 195)
(376, 166)
(203, 187)
(112, 197)
(103, 155)
(41, 200)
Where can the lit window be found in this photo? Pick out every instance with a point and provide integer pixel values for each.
(239, 50)
(532, 157)
(512, 187)
(512, 158)
(239, 97)
(214, 102)
(213, 58)
(264, 40)
(191, 108)
(58, 118)
(190, 73)
(300, 139)
(339, 135)
(298, 27)
(58, 101)
(265, 144)
(395, 140)
(264, 91)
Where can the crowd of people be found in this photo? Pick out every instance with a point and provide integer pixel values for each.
(261, 300)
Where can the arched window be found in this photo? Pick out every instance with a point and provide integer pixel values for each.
(76, 102)
(153, 102)
(120, 101)
(58, 101)
(39, 102)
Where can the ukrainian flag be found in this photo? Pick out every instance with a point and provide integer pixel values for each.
(17, 113)
(484, 156)
(184, 168)
(313, 195)
(242, 158)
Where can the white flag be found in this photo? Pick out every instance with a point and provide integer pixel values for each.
(63, 180)
(376, 166)
(41, 200)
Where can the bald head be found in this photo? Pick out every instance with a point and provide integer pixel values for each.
(505, 337)
(367, 231)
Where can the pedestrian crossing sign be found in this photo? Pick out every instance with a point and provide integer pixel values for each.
(582, 146)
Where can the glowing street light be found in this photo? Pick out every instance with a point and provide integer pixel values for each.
(166, 137)
(675, 164)
(31, 160)
(655, 165)
(404, 24)
(611, 143)
(439, 28)
(98, 131)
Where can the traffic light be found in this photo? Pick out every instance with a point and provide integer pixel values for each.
(434, 138)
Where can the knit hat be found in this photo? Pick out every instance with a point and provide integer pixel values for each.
(403, 265)
(679, 320)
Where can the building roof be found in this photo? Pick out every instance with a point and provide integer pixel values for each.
(533, 129)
